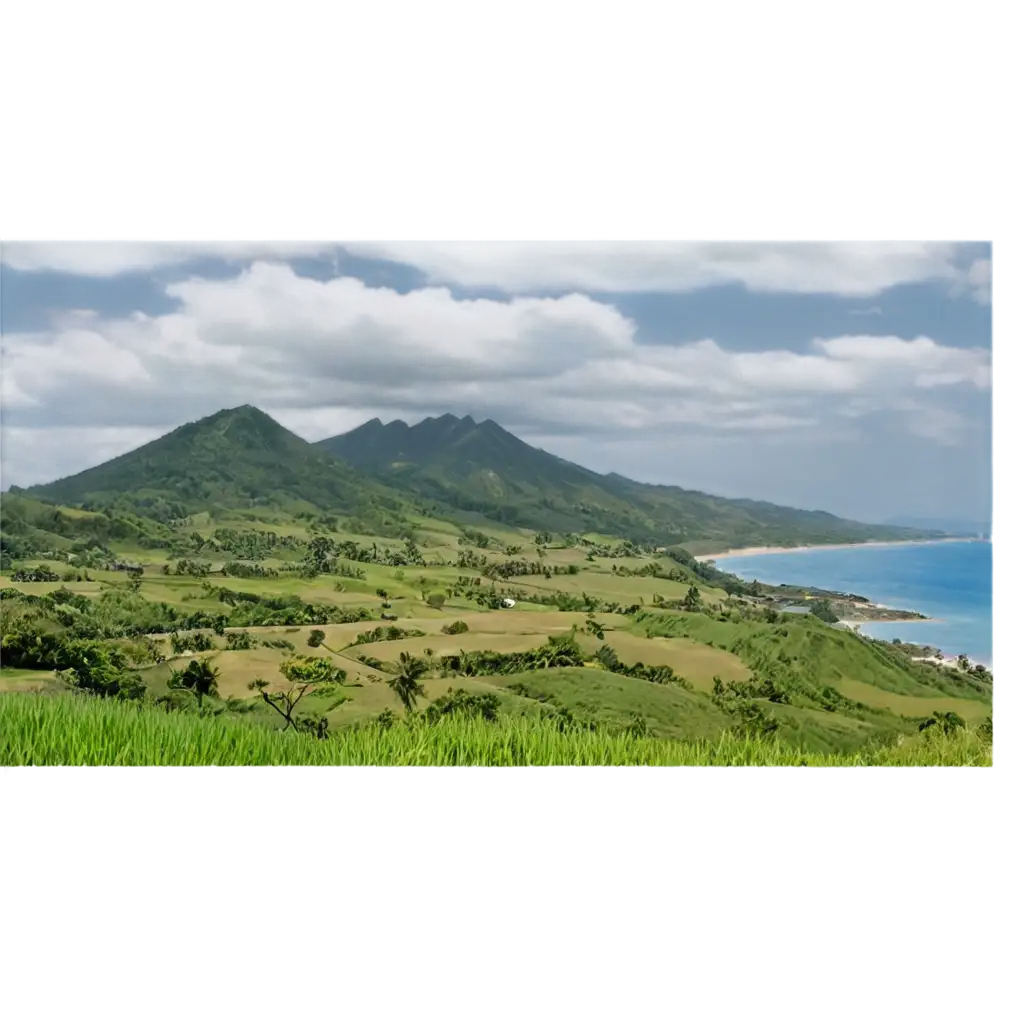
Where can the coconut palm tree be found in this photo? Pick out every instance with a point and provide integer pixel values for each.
(406, 682)
(200, 677)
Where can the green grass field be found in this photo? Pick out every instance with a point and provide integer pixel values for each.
(73, 730)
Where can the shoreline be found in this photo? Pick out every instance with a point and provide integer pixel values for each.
(942, 658)
(775, 550)
(853, 624)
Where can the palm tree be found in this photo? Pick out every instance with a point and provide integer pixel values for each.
(406, 682)
(200, 677)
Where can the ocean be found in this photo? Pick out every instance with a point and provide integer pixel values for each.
(950, 582)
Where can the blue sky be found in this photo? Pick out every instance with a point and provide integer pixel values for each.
(850, 377)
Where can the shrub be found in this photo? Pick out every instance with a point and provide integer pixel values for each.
(482, 705)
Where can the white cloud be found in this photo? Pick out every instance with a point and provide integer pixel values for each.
(107, 259)
(269, 305)
(854, 269)
(38, 454)
(840, 268)
(928, 363)
(979, 281)
(323, 356)
(12, 396)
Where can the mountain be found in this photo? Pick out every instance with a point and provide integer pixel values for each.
(236, 458)
(483, 468)
(956, 527)
(241, 458)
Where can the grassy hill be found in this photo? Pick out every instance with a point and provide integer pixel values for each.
(484, 468)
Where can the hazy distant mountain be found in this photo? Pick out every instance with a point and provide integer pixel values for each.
(482, 467)
(952, 526)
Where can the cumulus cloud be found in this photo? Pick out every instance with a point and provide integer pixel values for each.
(108, 259)
(854, 269)
(323, 356)
(979, 281)
(921, 361)
(269, 305)
(855, 266)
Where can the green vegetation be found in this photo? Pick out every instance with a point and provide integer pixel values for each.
(589, 648)
(72, 731)
(479, 467)
(379, 476)
(238, 458)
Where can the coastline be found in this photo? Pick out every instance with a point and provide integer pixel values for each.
(942, 659)
(775, 550)
(853, 624)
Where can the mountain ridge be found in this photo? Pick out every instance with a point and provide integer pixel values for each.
(242, 457)
(485, 466)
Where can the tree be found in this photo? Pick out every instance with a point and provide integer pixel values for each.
(320, 555)
(822, 609)
(436, 600)
(84, 664)
(316, 637)
(692, 602)
(307, 677)
(963, 663)
(406, 682)
(483, 705)
(561, 652)
(200, 677)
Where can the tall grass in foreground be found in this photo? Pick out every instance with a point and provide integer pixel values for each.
(74, 730)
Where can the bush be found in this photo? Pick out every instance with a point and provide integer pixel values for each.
(197, 642)
(945, 721)
(454, 628)
(823, 610)
(482, 705)
(241, 641)
(38, 575)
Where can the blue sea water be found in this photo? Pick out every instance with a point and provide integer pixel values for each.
(949, 582)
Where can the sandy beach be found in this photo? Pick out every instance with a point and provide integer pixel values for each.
(832, 547)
